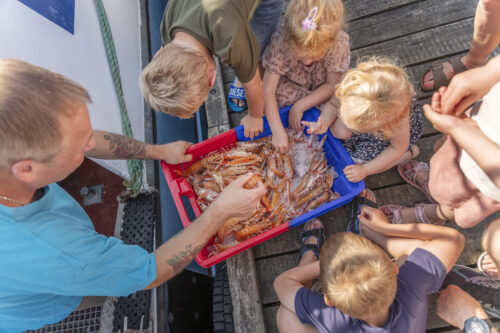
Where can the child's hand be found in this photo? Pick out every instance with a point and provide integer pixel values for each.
(355, 173)
(318, 127)
(253, 126)
(445, 123)
(280, 141)
(294, 117)
(372, 218)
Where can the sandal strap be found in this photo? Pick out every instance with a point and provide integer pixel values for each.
(318, 233)
(396, 213)
(457, 64)
(439, 78)
(309, 247)
(420, 214)
(412, 173)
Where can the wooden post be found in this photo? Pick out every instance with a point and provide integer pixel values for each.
(248, 316)
(216, 107)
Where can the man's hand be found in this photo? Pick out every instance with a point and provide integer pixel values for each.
(318, 127)
(280, 141)
(174, 152)
(372, 218)
(295, 116)
(253, 126)
(235, 201)
(455, 306)
(355, 173)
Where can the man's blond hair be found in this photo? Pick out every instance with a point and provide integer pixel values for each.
(32, 100)
(357, 276)
(375, 97)
(305, 43)
(176, 80)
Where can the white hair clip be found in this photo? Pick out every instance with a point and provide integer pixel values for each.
(308, 22)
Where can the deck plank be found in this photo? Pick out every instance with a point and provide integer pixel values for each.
(215, 104)
(409, 19)
(355, 9)
(422, 46)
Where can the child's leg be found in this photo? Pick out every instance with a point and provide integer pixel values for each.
(339, 130)
(410, 154)
(289, 323)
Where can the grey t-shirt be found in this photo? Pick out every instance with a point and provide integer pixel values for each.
(421, 275)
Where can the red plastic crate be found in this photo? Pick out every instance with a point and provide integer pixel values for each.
(180, 187)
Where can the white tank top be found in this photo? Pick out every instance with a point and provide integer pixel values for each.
(488, 120)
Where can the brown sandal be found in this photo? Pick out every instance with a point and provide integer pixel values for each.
(439, 77)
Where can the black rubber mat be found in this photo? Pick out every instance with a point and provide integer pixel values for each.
(138, 225)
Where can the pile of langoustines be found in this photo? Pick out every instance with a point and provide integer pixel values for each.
(296, 182)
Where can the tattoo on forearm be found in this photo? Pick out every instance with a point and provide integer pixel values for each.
(124, 147)
(180, 260)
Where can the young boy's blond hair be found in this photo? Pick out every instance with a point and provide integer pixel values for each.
(375, 97)
(32, 101)
(176, 80)
(312, 43)
(357, 276)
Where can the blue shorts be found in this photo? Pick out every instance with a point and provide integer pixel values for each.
(264, 21)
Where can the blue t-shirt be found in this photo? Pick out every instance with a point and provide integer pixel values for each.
(51, 256)
(421, 275)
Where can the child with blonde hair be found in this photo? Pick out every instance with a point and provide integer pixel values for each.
(306, 57)
(379, 118)
(362, 289)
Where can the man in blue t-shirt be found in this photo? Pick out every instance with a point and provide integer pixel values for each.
(362, 290)
(50, 254)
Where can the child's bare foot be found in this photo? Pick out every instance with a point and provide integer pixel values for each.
(487, 265)
(312, 237)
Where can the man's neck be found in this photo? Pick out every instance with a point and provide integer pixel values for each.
(15, 190)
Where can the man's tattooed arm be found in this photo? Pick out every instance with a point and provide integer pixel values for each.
(180, 260)
(116, 146)
(124, 147)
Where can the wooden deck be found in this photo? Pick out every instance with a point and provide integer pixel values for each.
(416, 33)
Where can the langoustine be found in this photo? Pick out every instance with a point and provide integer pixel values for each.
(294, 184)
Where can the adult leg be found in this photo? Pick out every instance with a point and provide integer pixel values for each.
(484, 40)
(486, 33)
(491, 244)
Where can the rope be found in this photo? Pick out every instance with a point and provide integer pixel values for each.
(134, 166)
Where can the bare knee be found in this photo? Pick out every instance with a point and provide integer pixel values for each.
(491, 6)
(340, 131)
(491, 240)
(288, 322)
